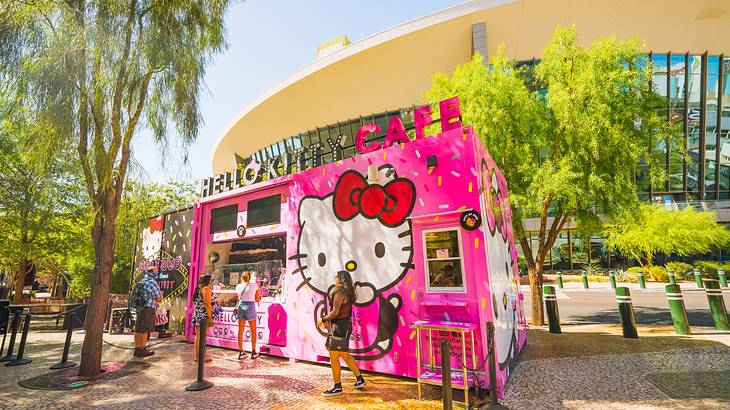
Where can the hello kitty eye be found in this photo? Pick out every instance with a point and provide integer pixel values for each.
(379, 249)
(321, 259)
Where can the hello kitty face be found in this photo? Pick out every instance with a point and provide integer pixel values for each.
(361, 228)
(501, 263)
(151, 244)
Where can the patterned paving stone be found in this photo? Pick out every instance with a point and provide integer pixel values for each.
(586, 367)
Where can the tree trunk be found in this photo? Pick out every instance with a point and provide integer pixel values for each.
(103, 236)
(20, 282)
(535, 276)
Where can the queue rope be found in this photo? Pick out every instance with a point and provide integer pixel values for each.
(63, 314)
(132, 348)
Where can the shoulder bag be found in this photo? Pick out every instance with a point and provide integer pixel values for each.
(335, 343)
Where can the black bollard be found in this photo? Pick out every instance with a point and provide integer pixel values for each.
(200, 384)
(446, 376)
(5, 334)
(14, 332)
(20, 360)
(626, 312)
(493, 400)
(551, 307)
(64, 363)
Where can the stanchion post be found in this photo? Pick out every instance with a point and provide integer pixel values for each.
(626, 312)
(493, 400)
(201, 383)
(64, 363)
(723, 278)
(642, 281)
(13, 333)
(584, 276)
(698, 278)
(717, 304)
(676, 307)
(670, 276)
(612, 278)
(560, 280)
(446, 376)
(21, 349)
(551, 307)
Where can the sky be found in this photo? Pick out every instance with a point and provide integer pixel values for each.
(267, 40)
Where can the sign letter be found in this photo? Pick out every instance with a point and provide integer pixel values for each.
(396, 132)
(449, 110)
(360, 139)
(422, 118)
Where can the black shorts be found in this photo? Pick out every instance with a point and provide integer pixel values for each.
(145, 320)
(341, 327)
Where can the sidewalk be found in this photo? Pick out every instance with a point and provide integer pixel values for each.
(585, 367)
(594, 367)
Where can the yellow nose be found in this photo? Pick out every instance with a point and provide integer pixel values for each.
(350, 266)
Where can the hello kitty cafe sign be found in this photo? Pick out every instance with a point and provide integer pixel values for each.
(303, 158)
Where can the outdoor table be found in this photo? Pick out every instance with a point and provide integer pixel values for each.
(460, 378)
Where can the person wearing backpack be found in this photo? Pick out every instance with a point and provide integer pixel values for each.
(146, 296)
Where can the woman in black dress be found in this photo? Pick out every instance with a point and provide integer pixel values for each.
(341, 298)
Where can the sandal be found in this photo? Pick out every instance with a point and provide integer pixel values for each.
(255, 355)
(242, 355)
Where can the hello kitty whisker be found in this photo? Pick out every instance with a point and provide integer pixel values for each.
(404, 234)
(298, 256)
(408, 265)
(299, 270)
(304, 282)
(406, 248)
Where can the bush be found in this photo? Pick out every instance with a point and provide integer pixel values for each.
(626, 276)
(681, 269)
(592, 269)
(659, 273)
(709, 269)
(655, 273)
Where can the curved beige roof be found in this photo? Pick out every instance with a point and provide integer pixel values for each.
(393, 68)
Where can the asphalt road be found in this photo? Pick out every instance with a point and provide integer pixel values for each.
(650, 307)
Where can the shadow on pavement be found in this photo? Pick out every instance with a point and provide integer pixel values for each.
(644, 316)
(605, 340)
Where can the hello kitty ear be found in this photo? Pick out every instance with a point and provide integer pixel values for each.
(313, 209)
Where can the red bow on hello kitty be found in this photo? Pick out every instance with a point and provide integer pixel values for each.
(156, 224)
(391, 203)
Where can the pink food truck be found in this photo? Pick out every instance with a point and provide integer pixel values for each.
(424, 227)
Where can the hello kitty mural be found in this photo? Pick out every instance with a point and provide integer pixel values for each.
(424, 228)
(152, 239)
(360, 227)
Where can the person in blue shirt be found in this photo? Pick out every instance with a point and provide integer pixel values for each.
(151, 296)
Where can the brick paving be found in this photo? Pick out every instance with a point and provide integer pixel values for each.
(586, 367)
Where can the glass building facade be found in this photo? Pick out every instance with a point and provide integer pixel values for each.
(694, 93)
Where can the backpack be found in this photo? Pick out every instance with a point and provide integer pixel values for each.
(136, 299)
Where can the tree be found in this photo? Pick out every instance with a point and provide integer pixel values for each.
(37, 204)
(655, 230)
(97, 71)
(140, 201)
(571, 151)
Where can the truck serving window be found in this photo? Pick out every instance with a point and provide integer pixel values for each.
(224, 219)
(264, 211)
(444, 267)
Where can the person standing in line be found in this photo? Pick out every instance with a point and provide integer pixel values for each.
(202, 309)
(248, 294)
(339, 321)
(149, 296)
